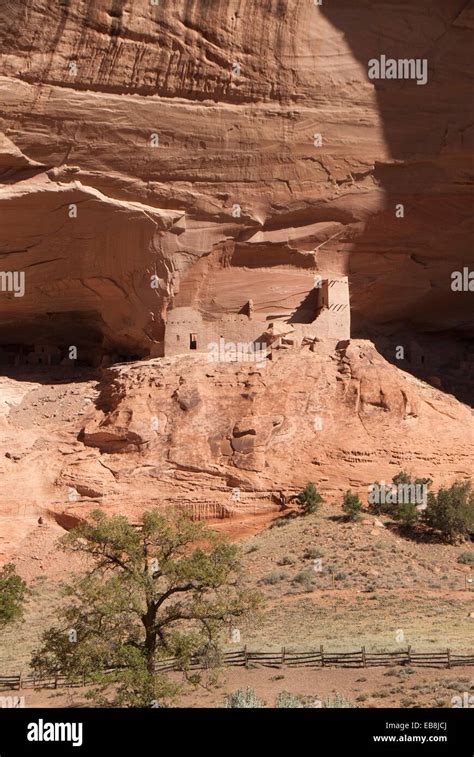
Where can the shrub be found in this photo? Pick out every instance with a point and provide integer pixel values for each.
(309, 499)
(253, 548)
(280, 522)
(305, 578)
(339, 700)
(466, 558)
(312, 553)
(286, 560)
(351, 506)
(451, 511)
(285, 700)
(275, 577)
(241, 698)
(405, 511)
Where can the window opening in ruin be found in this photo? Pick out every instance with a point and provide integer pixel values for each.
(192, 342)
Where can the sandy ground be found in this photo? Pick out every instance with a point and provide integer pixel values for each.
(363, 687)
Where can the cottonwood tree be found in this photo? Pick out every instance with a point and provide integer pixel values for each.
(167, 587)
(13, 592)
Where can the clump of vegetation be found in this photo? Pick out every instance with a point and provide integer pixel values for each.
(287, 560)
(352, 506)
(252, 548)
(398, 499)
(243, 699)
(310, 499)
(13, 591)
(275, 577)
(338, 701)
(466, 558)
(305, 579)
(312, 553)
(450, 512)
(285, 700)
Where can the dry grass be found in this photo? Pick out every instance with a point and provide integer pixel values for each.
(373, 584)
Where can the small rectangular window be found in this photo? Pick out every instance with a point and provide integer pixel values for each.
(192, 342)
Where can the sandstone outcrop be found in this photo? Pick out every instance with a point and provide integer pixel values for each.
(220, 440)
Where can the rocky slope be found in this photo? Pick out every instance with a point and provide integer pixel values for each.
(220, 439)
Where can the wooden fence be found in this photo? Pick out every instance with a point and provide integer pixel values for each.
(283, 658)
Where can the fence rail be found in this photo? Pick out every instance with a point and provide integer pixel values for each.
(284, 658)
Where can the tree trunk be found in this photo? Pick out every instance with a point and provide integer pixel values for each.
(148, 620)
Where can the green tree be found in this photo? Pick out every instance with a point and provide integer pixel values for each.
(406, 513)
(451, 511)
(13, 592)
(309, 499)
(397, 498)
(352, 506)
(166, 588)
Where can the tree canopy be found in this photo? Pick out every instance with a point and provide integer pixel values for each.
(164, 587)
(13, 592)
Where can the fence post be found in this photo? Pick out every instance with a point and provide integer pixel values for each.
(449, 657)
(246, 659)
(283, 651)
(321, 649)
(20, 681)
(409, 654)
(364, 661)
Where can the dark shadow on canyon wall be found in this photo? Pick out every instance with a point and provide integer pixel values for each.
(429, 131)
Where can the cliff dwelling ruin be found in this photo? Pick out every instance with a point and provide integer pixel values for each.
(294, 318)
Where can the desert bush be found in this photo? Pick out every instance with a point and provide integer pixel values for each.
(286, 560)
(352, 506)
(309, 499)
(252, 548)
(339, 700)
(450, 512)
(305, 579)
(407, 513)
(243, 699)
(466, 558)
(275, 577)
(285, 700)
(312, 553)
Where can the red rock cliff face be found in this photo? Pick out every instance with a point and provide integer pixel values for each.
(233, 94)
